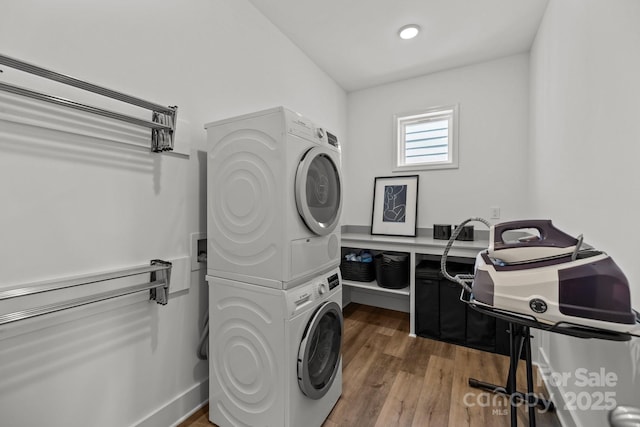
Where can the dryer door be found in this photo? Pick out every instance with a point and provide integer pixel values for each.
(319, 191)
(319, 353)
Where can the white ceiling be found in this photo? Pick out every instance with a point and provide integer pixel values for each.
(356, 42)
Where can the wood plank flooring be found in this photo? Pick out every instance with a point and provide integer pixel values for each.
(393, 380)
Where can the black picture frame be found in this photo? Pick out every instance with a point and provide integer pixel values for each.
(395, 206)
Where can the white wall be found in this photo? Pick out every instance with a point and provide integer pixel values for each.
(74, 200)
(493, 101)
(585, 104)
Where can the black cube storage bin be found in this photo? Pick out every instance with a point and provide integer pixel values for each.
(427, 309)
(392, 269)
(453, 312)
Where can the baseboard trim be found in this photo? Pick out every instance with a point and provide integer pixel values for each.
(191, 412)
(179, 409)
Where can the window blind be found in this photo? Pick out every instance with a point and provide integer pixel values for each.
(426, 141)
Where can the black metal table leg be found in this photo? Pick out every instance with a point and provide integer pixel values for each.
(514, 340)
(519, 341)
(530, 395)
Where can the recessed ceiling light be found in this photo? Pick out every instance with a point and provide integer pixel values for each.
(409, 31)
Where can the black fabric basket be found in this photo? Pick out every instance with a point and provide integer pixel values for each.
(392, 270)
(357, 271)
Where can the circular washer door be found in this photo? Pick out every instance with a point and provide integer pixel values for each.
(319, 353)
(319, 191)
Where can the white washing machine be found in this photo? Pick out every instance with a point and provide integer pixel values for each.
(275, 355)
(274, 197)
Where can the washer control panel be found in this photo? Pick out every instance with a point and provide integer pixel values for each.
(303, 296)
(333, 281)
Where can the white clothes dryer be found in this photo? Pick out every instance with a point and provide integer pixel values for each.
(275, 355)
(274, 191)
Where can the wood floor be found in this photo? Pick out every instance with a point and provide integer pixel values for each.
(393, 380)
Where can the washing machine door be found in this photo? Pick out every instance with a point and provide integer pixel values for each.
(318, 190)
(320, 349)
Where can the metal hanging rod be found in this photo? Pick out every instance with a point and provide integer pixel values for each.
(164, 119)
(158, 287)
(78, 106)
(72, 81)
(36, 288)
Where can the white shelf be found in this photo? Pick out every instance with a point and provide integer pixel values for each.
(421, 245)
(373, 286)
(418, 248)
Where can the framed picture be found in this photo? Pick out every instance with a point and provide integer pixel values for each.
(395, 205)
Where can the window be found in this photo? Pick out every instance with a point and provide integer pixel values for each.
(427, 139)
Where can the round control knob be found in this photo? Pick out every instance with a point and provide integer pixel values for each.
(322, 288)
(320, 132)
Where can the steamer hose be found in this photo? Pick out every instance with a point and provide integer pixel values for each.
(462, 279)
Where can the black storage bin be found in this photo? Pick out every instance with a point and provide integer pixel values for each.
(358, 271)
(427, 309)
(481, 330)
(440, 314)
(453, 312)
(502, 337)
(392, 269)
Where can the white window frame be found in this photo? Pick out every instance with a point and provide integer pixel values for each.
(450, 112)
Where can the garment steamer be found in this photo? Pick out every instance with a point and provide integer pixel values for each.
(550, 277)
(533, 275)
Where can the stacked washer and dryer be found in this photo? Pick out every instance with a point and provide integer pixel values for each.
(275, 295)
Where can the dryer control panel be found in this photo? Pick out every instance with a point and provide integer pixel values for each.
(302, 127)
(333, 140)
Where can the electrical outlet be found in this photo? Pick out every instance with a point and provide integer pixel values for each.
(495, 212)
